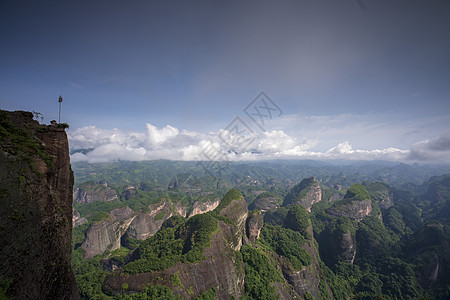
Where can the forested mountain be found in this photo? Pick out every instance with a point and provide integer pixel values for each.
(171, 230)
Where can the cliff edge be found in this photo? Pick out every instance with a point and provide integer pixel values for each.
(36, 185)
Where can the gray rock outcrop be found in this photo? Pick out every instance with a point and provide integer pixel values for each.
(306, 193)
(90, 191)
(146, 224)
(106, 234)
(201, 207)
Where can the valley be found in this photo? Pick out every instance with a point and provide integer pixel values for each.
(268, 230)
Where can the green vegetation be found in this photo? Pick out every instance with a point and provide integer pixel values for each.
(357, 192)
(231, 195)
(154, 292)
(338, 284)
(396, 247)
(88, 274)
(184, 242)
(196, 233)
(175, 280)
(260, 274)
(101, 216)
(4, 285)
(161, 215)
(143, 199)
(276, 217)
(159, 252)
(297, 219)
(78, 234)
(208, 295)
(91, 209)
(378, 190)
(287, 243)
(299, 192)
(21, 141)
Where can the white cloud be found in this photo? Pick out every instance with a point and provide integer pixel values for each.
(158, 136)
(171, 143)
(436, 149)
(368, 131)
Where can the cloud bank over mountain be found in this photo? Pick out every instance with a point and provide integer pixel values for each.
(434, 149)
(92, 144)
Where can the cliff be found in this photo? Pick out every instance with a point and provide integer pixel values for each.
(265, 202)
(201, 207)
(381, 193)
(357, 204)
(306, 193)
(36, 183)
(190, 256)
(255, 222)
(105, 234)
(146, 224)
(307, 279)
(90, 191)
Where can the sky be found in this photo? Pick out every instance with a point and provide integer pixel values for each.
(234, 80)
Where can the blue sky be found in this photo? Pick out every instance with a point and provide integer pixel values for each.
(161, 79)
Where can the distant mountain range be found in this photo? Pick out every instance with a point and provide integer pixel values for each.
(261, 230)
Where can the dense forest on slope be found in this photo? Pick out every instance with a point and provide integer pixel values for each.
(370, 231)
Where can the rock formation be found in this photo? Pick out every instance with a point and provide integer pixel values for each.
(220, 268)
(265, 202)
(382, 194)
(106, 234)
(90, 191)
(36, 183)
(77, 220)
(234, 207)
(180, 209)
(148, 223)
(306, 193)
(255, 222)
(356, 210)
(356, 204)
(201, 207)
(307, 279)
(130, 192)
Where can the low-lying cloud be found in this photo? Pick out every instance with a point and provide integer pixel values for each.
(174, 144)
(436, 149)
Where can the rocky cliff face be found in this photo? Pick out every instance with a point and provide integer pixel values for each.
(124, 225)
(236, 210)
(347, 247)
(306, 193)
(265, 202)
(106, 234)
(203, 207)
(36, 182)
(432, 244)
(357, 204)
(219, 270)
(307, 279)
(77, 220)
(180, 209)
(382, 194)
(220, 267)
(90, 191)
(148, 223)
(356, 210)
(255, 222)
